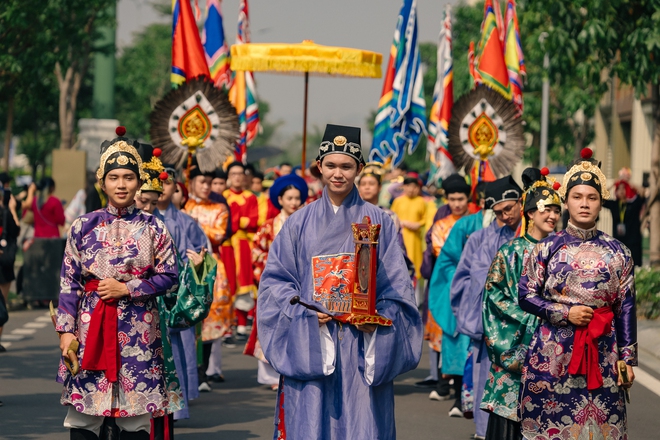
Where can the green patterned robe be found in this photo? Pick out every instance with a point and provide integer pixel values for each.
(190, 305)
(507, 328)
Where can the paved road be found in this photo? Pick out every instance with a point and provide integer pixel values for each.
(235, 410)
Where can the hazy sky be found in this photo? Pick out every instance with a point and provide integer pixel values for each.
(363, 24)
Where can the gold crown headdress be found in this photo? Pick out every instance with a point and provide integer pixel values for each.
(541, 191)
(585, 172)
(374, 169)
(119, 153)
(156, 173)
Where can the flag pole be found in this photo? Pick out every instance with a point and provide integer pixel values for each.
(304, 136)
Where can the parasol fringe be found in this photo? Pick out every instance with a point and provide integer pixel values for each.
(325, 67)
(306, 57)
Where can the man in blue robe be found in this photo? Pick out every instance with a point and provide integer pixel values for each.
(503, 196)
(336, 379)
(186, 235)
(454, 345)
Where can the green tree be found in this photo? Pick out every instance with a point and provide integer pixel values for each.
(37, 147)
(268, 128)
(143, 78)
(73, 26)
(595, 41)
(28, 87)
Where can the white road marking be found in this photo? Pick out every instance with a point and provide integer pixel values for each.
(647, 381)
(43, 319)
(23, 331)
(6, 344)
(12, 337)
(35, 325)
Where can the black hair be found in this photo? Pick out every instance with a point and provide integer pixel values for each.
(258, 174)
(480, 190)
(285, 164)
(286, 188)
(46, 183)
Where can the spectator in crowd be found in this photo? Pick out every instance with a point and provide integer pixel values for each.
(48, 211)
(8, 245)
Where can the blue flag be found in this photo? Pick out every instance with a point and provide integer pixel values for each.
(401, 118)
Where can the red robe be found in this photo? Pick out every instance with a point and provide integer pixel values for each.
(244, 217)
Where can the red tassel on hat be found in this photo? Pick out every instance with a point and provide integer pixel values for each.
(545, 171)
(157, 152)
(586, 153)
(121, 130)
(163, 176)
(556, 186)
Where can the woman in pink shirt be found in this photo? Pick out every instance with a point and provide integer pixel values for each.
(48, 211)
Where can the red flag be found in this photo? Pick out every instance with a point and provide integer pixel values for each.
(188, 59)
(490, 63)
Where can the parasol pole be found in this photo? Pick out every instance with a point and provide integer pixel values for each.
(304, 139)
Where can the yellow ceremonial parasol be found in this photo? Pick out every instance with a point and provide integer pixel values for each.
(306, 58)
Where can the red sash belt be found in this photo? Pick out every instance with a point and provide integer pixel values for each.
(102, 345)
(585, 361)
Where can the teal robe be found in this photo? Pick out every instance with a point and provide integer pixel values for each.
(454, 345)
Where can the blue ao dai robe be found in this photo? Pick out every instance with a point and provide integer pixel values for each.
(311, 257)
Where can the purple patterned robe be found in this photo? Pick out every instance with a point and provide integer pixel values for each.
(576, 267)
(132, 247)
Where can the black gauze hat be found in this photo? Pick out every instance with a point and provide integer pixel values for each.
(171, 171)
(342, 140)
(502, 190)
(455, 183)
(236, 164)
(195, 171)
(219, 173)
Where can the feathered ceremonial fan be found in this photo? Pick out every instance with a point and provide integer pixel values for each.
(196, 118)
(485, 131)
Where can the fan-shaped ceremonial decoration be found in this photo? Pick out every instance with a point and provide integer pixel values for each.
(196, 118)
(484, 127)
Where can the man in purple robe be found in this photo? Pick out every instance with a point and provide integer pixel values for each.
(336, 379)
(116, 262)
(503, 197)
(581, 283)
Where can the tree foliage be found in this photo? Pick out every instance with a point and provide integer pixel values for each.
(45, 51)
(75, 30)
(143, 78)
(595, 41)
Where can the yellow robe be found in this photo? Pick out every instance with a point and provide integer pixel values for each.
(414, 210)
